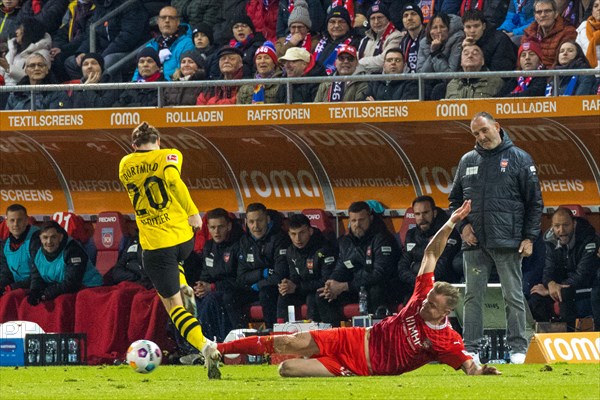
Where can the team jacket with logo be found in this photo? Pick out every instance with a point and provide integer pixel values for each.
(414, 249)
(64, 271)
(311, 266)
(505, 191)
(267, 253)
(368, 261)
(220, 262)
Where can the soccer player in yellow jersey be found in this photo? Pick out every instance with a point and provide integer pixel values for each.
(166, 217)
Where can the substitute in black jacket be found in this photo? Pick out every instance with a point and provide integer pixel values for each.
(59, 265)
(129, 266)
(215, 287)
(501, 181)
(311, 260)
(393, 63)
(429, 219)
(368, 256)
(262, 259)
(571, 264)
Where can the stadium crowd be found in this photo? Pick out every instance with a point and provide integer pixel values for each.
(48, 42)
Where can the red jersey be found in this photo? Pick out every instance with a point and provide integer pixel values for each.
(405, 341)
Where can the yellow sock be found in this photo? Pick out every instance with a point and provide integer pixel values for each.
(182, 280)
(188, 326)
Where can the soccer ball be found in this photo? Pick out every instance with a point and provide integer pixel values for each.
(144, 356)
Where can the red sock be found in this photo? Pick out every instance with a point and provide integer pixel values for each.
(253, 345)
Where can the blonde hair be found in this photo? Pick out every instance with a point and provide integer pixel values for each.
(446, 289)
(144, 133)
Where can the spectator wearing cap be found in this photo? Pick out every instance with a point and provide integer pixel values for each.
(393, 63)
(231, 67)
(196, 12)
(518, 17)
(299, 32)
(191, 68)
(549, 29)
(346, 63)
(529, 59)
(116, 36)
(499, 51)
(175, 39)
(266, 62)
(246, 39)
(148, 70)
(263, 14)
(92, 70)
(380, 37)
(339, 33)
(37, 69)
(472, 60)
(412, 20)
(204, 43)
(298, 62)
(316, 14)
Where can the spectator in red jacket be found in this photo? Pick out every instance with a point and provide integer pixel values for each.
(549, 29)
(232, 67)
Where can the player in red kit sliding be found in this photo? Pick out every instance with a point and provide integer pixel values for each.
(419, 334)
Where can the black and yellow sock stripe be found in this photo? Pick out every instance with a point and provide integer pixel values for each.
(188, 326)
(182, 280)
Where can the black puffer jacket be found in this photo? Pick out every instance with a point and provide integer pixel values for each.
(505, 191)
(367, 261)
(414, 250)
(576, 263)
(312, 265)
(220, 261)
(263, 261)
(393, 90)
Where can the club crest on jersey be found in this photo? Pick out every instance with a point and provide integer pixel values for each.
(503, 164)
(172, 158)
(226, 257)
(107, 237)
(310, 265)
(369, 251)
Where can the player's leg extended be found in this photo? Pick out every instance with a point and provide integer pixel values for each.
(301, 344)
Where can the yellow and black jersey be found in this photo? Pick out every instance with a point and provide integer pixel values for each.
(161, 201)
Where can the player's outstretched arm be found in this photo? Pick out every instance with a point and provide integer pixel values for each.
(470, 368)
(436, 246)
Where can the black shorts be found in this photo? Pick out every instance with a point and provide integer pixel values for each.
(162, 266)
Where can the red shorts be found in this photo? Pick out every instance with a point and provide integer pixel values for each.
(342, 350)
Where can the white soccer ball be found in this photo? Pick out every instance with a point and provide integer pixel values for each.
(144, 356)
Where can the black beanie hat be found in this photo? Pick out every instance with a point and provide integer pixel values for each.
(194, 55)
(340, 12)
(242, 18)
(412, 7)
(95, 56)
(148, 52)
(378, 8)
(203, 28)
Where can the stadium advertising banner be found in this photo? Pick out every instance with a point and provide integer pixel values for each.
(297, 156)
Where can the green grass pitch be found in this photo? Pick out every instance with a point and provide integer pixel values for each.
(262, 382)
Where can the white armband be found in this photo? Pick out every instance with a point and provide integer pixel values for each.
(450, 224)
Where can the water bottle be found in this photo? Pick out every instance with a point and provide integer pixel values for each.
(72, 351)
(363, 302)
(33, 352)
(51, 348)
